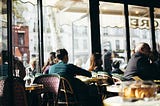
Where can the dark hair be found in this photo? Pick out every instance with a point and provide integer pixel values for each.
(105, 50)
(52, 54)
(60, 53)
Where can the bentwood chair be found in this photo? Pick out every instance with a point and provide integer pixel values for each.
(66, 96)
(48, 95)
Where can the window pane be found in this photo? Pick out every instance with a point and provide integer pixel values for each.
(112, 30)
(139, 25)
(25, 33)
(66, 26)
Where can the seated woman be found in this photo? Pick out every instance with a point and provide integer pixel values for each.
(96, 67)
(51, 61)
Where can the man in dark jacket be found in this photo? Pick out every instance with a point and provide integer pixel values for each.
(140, 64)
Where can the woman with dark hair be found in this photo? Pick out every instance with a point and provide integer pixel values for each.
(51, 61)
(97, 69)
(95, 62)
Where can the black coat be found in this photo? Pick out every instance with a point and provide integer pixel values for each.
(139, 65)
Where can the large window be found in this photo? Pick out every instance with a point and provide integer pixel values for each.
(68, 21)
(66, 24)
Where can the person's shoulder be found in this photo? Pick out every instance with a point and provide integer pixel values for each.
(71, 65)
(54, 65)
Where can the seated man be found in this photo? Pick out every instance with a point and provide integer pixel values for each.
(139, 64)
(69, 71)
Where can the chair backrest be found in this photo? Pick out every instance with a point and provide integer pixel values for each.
(14, 87)
(66, 94)
(49, 81)
(50, 90)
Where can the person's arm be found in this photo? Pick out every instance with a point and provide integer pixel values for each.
(79, 71)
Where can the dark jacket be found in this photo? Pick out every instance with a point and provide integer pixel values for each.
(139, 65)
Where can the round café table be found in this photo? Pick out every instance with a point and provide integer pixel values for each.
(33, 87)
(118, 101)
(32, 94)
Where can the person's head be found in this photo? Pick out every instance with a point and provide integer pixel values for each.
(52, 58)
(52, 55)
(62, 54)
(143, 48)
(105, 50)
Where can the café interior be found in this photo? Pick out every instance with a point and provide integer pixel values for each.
(32, 29)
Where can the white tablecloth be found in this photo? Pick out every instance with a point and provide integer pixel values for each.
(118, 101)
